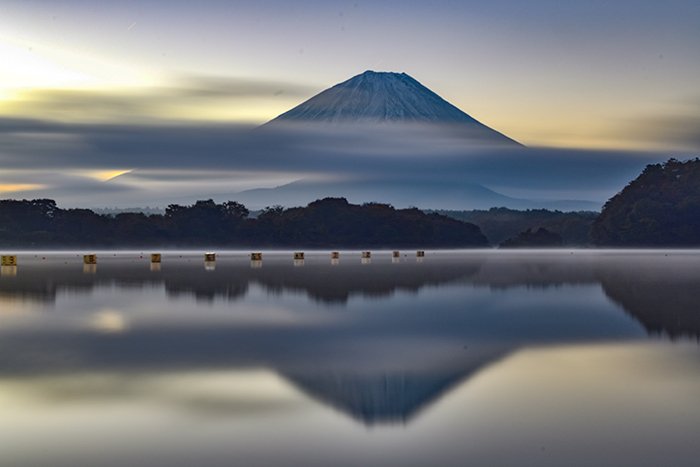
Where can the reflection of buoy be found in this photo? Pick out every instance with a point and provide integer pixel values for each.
(256, 264)
(209, 257)
(8, 271)
(335, 261)
(155, 267)
(299, 255)
(420, 253)
(90, 259)
(298, 262)
(9, 260)
(366, 254)
(256, 256)
(210, 265)
(335, 255)
(90, 268)
(156, 258)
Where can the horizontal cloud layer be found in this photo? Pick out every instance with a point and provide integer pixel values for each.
(414, 165)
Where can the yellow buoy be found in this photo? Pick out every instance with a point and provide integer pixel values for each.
(298, 255)
(9, 260)
(335, 255)
(395, 254)
(90, 259)
(156, 258)
(209, 257)
(366, 254)
(420, 253)
(257, 256)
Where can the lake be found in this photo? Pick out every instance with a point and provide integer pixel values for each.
(460, 358)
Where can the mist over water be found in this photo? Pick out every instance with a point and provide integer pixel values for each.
(573, 357)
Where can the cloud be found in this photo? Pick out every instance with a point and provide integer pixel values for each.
(679, 130)
(427, 166)
(188, 97)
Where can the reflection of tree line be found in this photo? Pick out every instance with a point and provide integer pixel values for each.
(662, 293)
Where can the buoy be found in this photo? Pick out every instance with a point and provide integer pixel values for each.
(366, 254)
(396, 254)
(420, 254)
(257, 256)
(9, 260)
(156, 258)
(90, 259)
(299, 255)
(209, 257)
(335, 255)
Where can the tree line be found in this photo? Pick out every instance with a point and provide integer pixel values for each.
(323, 223)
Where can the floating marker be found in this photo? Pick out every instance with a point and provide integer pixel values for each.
(256, 256)
(299, 255)
(90, 259)
(9, 260)
(395, 254)
(156, 258)
(366, 254)
(420, 254)
(209, 257)
(335, 255)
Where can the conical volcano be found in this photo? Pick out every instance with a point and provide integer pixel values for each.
(387, 98)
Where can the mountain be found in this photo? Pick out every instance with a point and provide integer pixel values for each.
(449, 195)
(383, 97)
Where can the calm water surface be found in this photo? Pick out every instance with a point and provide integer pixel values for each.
(463, 358)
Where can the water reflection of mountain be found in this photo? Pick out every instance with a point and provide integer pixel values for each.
(377, 363)
(372, 399)
(381, 397)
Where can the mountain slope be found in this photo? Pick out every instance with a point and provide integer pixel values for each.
(384, 97)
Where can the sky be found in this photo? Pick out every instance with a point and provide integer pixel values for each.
(595, 75)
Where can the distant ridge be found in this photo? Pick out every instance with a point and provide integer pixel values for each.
(385, 97)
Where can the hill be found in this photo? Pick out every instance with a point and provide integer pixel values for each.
(661, 207)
